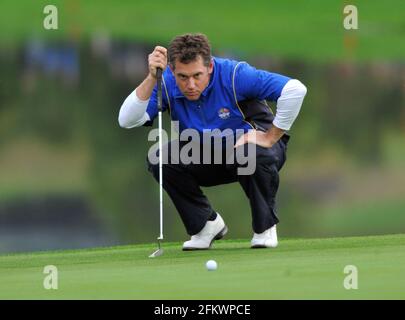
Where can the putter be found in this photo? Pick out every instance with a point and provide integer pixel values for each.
(159, 251)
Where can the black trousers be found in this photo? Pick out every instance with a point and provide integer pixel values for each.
(182, 183)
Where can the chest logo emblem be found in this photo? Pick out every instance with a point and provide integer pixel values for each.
(224, 113)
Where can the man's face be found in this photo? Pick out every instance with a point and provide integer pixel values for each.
(192, 78)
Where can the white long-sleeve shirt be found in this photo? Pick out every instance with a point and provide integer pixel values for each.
(133, 110)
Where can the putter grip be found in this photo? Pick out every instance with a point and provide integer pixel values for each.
(159, 87)
(159, 74)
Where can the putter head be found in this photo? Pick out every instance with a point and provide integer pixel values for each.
(159, 251)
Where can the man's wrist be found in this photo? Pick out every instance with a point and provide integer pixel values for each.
(144, 90)
(150, 77)
(274, 134)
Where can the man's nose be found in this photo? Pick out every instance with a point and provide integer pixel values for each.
(191, 83)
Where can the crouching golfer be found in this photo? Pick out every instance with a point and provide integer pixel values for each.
(203, 92)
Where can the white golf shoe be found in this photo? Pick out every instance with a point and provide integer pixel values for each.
(213, 230)
(266, 239)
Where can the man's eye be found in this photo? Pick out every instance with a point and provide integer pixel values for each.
(183, 77)
(197, 76)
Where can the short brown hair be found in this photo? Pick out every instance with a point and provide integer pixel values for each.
(187, 47)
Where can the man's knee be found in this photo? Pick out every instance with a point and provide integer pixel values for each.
(274, 156)
(268, 169)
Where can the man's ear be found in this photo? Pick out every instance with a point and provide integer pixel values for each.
(171, 67)
(211, 66)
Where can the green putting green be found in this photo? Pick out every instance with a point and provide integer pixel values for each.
(297, 269)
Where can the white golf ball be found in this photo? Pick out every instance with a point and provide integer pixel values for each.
(211, 265)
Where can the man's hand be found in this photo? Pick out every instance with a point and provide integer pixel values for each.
(264, 139)
(157, 59)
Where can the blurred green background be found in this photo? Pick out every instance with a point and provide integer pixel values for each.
(70, 177)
